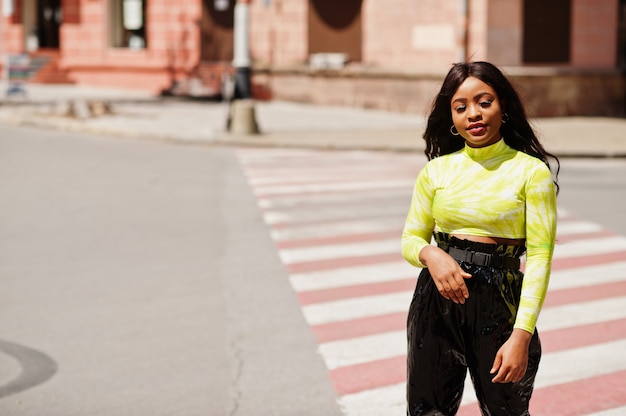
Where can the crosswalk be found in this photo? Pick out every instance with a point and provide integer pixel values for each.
(336, 219)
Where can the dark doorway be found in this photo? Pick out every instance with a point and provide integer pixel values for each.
(547, 31)
(49, 16)
(621, 42)
(216, 28)
(335, 27)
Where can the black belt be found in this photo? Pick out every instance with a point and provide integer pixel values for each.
(478, 258)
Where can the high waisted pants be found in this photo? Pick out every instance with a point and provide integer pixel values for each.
(445, 339)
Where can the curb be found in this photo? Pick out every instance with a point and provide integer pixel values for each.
(395, 140)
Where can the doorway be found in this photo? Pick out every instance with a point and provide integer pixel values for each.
(547, 31)
(216, 30)
(49, 17)
(42, 20)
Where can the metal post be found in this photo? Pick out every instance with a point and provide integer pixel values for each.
(242, 118)
(7, 11)
(464, 36)
(241, 52)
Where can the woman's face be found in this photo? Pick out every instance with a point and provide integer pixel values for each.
(476, 113)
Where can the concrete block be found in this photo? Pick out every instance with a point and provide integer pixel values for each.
(243, 117)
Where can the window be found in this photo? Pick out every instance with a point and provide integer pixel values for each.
(547, 29)
(335, 27)
(128, 23)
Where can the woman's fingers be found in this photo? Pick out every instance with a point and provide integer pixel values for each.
(454, 290)
(448, 276)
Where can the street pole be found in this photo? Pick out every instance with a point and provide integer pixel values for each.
(464, 36)
(242, 114)
(3, 61)
(241, 51)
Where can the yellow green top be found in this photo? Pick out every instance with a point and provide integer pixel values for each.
(493, 191)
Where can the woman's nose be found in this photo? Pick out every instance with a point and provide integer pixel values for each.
(474, 112)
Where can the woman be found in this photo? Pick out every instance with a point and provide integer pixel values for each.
(486, 195)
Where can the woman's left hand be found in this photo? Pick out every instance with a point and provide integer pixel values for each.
(512, 358)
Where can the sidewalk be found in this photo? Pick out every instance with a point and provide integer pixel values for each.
(136, 114)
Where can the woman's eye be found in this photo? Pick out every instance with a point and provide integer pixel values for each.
(459, 108)
(485, 103)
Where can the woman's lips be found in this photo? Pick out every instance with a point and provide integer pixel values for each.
(477, 129)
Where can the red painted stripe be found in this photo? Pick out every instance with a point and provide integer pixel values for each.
(330, 264)
(382, 373)
(261, 184)
(351, 238)
(569, 217)
(560, 239)
(340, 239)
(360, 377)
(585, 294)
(553, 298)
(268, 194)
(577, 398)
(361, 327)
(582, 335)
(325, 222)
(582, 261)
(335, 331)
(557, 264)
(347, 292)
(581, 397)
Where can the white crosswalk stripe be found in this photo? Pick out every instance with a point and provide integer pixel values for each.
(389, 400)
(590, 247)
(582, 313)
(363, 349)
(618, 411)
(577, 227)
(346, 227)
(319, 214)
(588, 276)
(333, 251)
(332, 187)
(361, 307)
(347, 276)
(312, 197)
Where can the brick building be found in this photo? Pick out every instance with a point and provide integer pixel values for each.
(567, 55)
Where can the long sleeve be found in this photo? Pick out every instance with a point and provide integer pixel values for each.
(540, 239)
(420, 223)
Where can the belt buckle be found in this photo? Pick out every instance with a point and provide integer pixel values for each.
(480, 259)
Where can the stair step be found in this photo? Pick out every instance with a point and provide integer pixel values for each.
(45, 69)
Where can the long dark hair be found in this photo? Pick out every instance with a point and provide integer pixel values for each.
(517, 131)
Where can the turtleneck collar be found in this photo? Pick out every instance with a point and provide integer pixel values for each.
(487, 152)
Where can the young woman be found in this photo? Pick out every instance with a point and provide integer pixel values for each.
(487, 196)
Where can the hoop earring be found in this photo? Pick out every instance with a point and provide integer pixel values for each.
(453, 130)
(505, 118)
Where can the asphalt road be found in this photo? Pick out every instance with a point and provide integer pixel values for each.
(138, 278)
(595, 189)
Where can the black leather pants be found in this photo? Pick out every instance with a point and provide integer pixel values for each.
(445, 339)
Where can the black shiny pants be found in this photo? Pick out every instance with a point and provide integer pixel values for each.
(446, 339)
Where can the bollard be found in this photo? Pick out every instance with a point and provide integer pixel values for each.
(243, 117)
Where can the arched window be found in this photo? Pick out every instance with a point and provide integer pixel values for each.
(335, 26)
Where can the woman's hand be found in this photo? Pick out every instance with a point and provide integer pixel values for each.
(512, 358)
(446, 273)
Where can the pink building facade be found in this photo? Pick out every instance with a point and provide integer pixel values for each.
(566, 55)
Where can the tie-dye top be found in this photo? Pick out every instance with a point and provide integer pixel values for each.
(493, 191)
